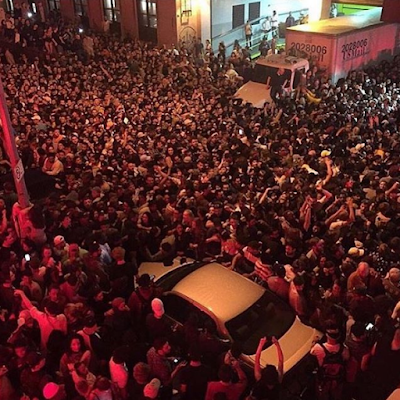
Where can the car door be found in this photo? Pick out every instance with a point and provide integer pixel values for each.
(178, 310)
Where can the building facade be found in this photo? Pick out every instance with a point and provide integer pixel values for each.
(169, 22)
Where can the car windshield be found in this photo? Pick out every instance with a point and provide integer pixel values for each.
(269, 316)
(169, 280)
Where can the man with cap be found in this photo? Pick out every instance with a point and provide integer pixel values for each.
(156, 322)
(152, 389)
(53, 391)
(140, 300)
(60, 246)
(355, 252)
(26, 330)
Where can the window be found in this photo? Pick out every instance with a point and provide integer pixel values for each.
(254, 11)
(180, 310)
(148, 13)
(112, 10)
(177, 308)
(10, 5)
(81, 7)
(269, 316)
(237, 16)
(54, 5)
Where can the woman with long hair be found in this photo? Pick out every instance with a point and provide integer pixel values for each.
(75, 352)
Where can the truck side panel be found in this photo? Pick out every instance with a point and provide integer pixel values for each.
(317, 48)
(364, 47)
(340, 54)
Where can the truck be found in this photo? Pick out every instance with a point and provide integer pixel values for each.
(257, 93)
(343, 44)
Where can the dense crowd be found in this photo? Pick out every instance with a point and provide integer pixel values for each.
(152, 159)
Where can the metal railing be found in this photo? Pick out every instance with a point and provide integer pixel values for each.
(237, 33)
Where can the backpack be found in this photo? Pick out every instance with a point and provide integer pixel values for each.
(333, 367)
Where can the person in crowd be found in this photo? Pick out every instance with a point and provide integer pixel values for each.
(248, 32)
(269, 379)
(274, 23)
(225, 384)
(119, 371)
(158, 162)
(332, 357)
(75, 353)
(195, 377)
(290, 21)
(48, 320)
(383, 372)
(141, 377)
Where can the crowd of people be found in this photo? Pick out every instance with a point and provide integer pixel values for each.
(152, 158)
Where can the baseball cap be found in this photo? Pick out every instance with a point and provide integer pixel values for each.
(50, 390)
(58, 240)
(151, 389)
(354, 251)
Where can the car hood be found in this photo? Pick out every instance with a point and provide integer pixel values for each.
(296, 343)
(255, 93)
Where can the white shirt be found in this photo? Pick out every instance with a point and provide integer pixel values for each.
(119, 374)
(266, 25)
(48, 324)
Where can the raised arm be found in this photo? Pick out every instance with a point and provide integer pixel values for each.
(264, 195)
(280, 357)
(25, 301)
(334, 216)
(3, 221)
(329, 171)
(257, 365)
(350, 205)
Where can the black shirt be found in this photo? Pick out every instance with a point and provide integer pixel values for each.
(263, 392)
(278, 80)
(196, 380)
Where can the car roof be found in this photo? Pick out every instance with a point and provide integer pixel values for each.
(342, 25)
(283, 61)
(223, 292)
